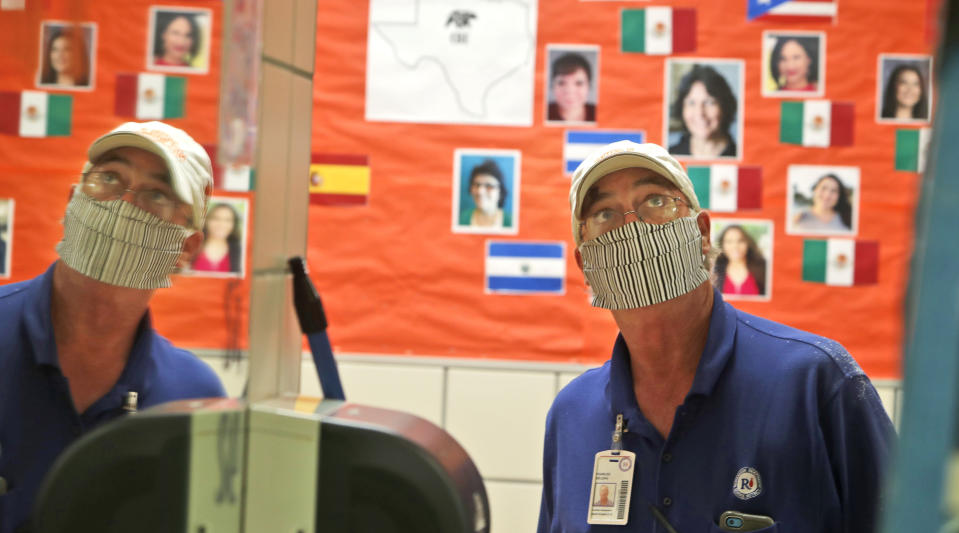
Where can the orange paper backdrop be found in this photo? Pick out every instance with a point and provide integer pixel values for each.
(394, 278)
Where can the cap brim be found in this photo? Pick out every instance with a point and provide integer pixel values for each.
(125, 139)
(612, 164)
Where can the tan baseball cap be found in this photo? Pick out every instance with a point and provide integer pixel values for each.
(191, 174)
(620, 155)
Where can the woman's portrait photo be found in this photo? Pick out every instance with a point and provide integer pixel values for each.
(486, 191)
(743, 268)
(6, 235)
(904, 88)
(822, 200)
(224, 239)
(67, 53)
(704, 108)
(179, 39)
(571, 83)
(793, 63)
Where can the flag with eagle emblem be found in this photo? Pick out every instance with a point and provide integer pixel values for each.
(150, 96)
(658, 30)
(841, 262)
(819, 123)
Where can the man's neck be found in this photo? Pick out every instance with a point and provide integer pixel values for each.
(666, 340)
(94, 323)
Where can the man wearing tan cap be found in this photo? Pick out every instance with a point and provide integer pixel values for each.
(78, 347)
(704, 418)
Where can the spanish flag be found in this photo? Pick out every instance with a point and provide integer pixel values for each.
(339, 179)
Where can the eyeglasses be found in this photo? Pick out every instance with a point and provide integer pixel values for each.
(105, 186)
(655, 209)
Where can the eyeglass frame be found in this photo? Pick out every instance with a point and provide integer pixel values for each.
(137, 194)
(675, 200)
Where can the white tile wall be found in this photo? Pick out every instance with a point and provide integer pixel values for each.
(514, 507)
(410, 388)
(499, 417)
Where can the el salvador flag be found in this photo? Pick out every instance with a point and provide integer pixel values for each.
(525, 267)
(580, 143)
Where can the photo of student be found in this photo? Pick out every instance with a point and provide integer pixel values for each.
(742, 268)
(905, 91)
(704, 109)
(822, 200)
(224, 231)
(485, 186)
(66, 55)
(179, 39)
(571, 83)
(6, 235)
(793, 63)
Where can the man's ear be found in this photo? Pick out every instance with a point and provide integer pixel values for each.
(704, 226)
(579, 259)
(191, 246)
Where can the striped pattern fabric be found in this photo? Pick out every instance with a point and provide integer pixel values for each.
(118, 243)
(641, 264)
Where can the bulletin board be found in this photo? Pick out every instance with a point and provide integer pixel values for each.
(411, 98)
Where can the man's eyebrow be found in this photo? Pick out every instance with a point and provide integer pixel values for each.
(117, 158)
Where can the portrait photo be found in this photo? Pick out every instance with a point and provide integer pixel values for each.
(67, 55)
(179, 39)
(703, 113)
(6, 236)
(904, 89)
(604, 495)
(743, 268)
(223, 253)
(572, 83)
(793, 64)
(486, 191)
(822, 200)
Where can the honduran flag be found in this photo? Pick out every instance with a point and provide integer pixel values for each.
(525, 267)
(792, 10)
(817, 123)
(35, 114)
(728, 188)
(911, 149)
(658, 30)
(339, 179)
(150, 96)
(581, 143)
(843, 262)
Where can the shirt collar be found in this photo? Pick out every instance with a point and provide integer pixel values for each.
(719, 346)
(39, 328)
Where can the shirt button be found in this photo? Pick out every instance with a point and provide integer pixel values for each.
(667, 501)
(667, 457)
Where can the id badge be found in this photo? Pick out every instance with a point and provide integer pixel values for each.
(611, 487)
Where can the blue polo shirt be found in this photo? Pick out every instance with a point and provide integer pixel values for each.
(778, 422)
(37, 417)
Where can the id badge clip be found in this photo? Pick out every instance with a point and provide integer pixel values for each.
(612, 482)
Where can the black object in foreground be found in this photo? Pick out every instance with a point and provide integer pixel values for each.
(309, 311)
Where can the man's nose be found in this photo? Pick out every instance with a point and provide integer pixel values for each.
(627, 214)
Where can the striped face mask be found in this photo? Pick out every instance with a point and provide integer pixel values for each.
(640, 264)
(118, 243)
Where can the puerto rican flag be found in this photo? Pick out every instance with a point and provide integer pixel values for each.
(793, 10)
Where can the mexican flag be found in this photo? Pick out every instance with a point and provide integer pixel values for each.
(658, 30)
(35, 114)
(841, 262)
(728, 188)
(150, 96)
(339, 179)
(911, 148)
(820, 123)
